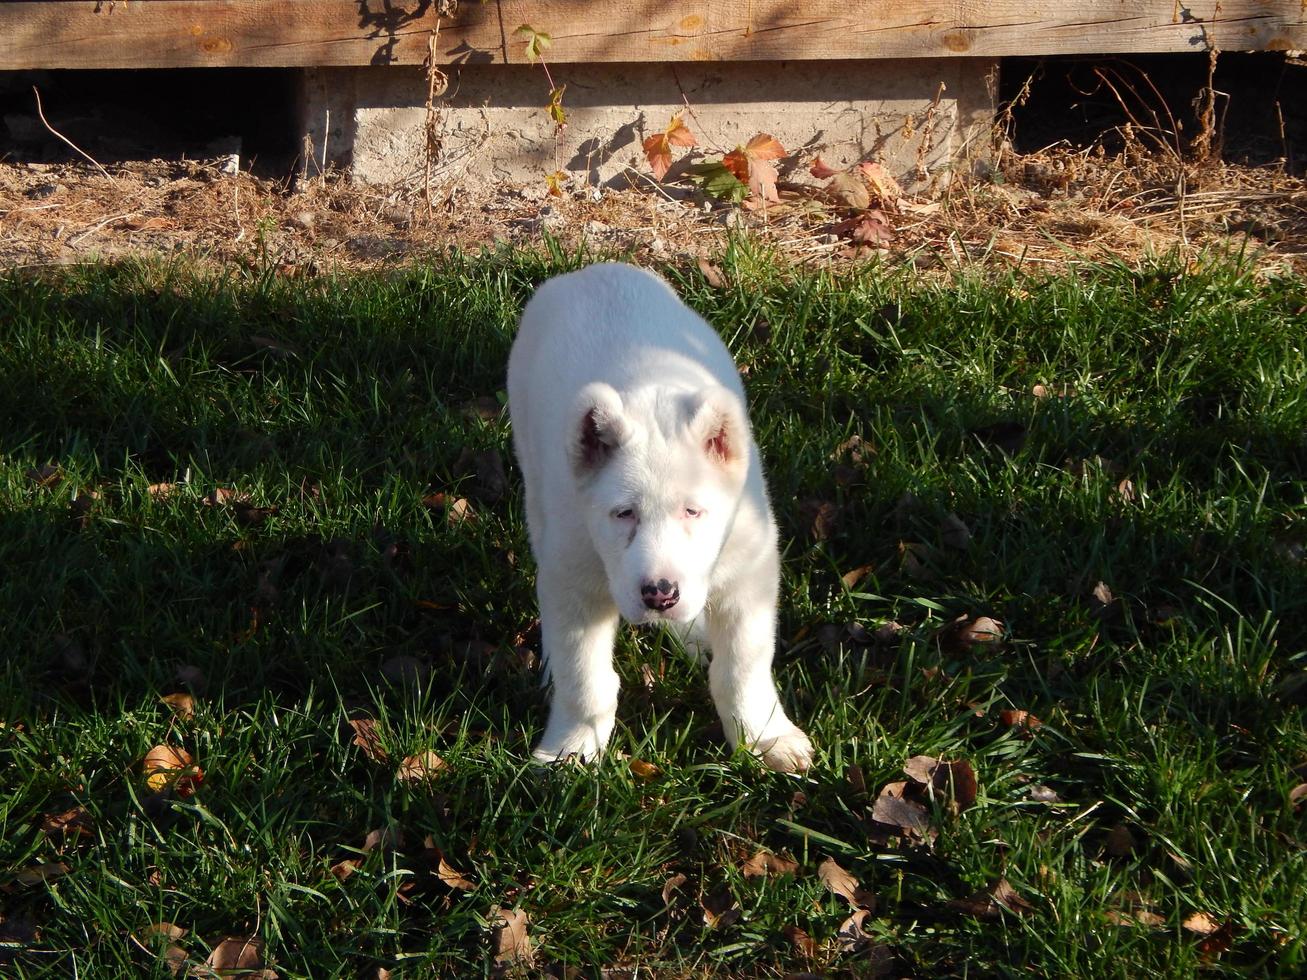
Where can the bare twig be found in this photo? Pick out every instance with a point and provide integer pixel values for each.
(94, 228)
(45, 122)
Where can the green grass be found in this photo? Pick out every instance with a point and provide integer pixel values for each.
(1176, 713)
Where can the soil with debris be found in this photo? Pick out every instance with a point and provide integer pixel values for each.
(1054, 208)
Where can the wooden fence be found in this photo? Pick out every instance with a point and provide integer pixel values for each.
(305, 33)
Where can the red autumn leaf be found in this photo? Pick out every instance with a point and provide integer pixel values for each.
(658, 148)
(884, 188)
(750, 164)
(821, 170)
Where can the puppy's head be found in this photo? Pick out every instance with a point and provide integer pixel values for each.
(660, 476)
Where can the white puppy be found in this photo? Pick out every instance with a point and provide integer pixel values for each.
(644, 498)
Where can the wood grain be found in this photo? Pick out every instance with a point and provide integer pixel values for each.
(217, 33)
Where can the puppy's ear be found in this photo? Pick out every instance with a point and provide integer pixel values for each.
(601, 427)
(717, 423)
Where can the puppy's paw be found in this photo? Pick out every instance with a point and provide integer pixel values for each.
(790, 752)
(580, 745)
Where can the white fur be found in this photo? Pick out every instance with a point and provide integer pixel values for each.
(630, 427)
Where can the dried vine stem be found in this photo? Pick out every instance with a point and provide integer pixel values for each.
(86, 156)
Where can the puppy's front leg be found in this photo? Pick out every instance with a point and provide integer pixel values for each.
(577, 628)
(743, 636)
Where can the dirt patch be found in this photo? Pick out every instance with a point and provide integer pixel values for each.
(1052, 208)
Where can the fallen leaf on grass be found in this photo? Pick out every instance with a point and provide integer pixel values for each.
(764, 864)
(848, 190)
(509, 936)
(366, 738)
(821, 517)
(989, 903)
(161, 930)
(720, 908)
(1018, 718)
(46, 476)
(840, 882)
(1139, 917)
(71, 823)
(643, 771)
(343, 869)
(915, 559)
(885, 190)
(168, 766)
(1298, 795)
(954, 532)
(1119, 842)
(457, 510)
(869, 228)
(237, 953)
(851, 938)
(1126, 492)
(1201, 924)
(894, 808)
(854, 576)
(953, 781)
(967, 633)
(801, 942)
(182, 704)
(673, 887)
(383, 837)
(712, 274)
(452, 878)
(423, 765)
(39, 873)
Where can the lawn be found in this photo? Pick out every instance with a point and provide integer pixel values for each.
(294, 501)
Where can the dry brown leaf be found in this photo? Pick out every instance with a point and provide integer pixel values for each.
(383, 837)
(237, 953)
(954, 532)
(820, 516)
(885, 190)
(894, 809)
(980, 632)
(800, 941)
(167, 765)
(1298, 795)
(343, 869)
(954, 781)
(854, 576)
(366, 738)
(183, 705)
(720, 908)
(764, 864)
(1200, 923)
(175, 959)
(1126, 492)
(46, 476)
(643, 771)
(821, 170)
(851, 938)
(1139, 917)
(849, 190)
(672, 887)
(422, 765)
(71, 823)
(713, 274)
(509, 936)
(1018, 718)
(1120, 842)
(452, 878)
(38, 873)
(915, 558)
(840, 882)
(989, 903)
(161, 930)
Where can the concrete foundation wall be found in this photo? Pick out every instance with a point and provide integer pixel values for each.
(917, 116)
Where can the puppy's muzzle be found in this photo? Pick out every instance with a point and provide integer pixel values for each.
(660, 595)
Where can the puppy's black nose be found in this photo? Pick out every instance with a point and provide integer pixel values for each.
(660, 595)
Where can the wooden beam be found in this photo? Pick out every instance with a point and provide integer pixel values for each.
(284, 33)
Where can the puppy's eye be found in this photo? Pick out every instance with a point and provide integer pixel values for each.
(624, 514)
(693, 512)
